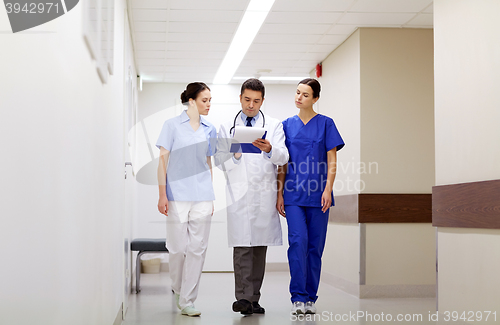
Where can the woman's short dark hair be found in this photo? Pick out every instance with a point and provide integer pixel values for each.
(192, 91)
(253, 84)
(314, 84)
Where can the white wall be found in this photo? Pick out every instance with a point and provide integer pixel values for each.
(467, 79)
(62, 182)
(158, 101)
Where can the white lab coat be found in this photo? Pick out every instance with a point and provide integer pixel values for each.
(251, 188)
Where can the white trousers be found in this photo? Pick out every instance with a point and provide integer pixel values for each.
(188, 227)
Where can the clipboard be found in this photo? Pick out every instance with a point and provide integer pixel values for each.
(244, 136)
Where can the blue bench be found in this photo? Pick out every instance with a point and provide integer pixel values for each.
(145, 246)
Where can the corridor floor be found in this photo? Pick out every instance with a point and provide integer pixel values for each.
(155, 305)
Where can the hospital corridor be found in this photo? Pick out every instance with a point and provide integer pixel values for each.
(249, 162)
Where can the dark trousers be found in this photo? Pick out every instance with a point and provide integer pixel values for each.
(249, 267)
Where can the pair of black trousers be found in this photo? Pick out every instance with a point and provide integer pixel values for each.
(249, 266)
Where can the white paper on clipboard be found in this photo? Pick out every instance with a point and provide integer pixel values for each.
(243, 134)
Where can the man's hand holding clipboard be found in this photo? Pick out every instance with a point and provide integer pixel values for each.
(250, 140)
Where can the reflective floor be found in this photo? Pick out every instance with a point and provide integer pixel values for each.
(155, 305)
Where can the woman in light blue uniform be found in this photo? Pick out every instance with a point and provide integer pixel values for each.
(305, 194)
(186, 194)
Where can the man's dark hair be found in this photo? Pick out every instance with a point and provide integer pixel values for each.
(253, 84)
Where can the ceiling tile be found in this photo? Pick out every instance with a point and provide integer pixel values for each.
(422, 20)
(149, 37)
(429, 9)
(150, 4)
(303, 17)
(149, 15)
(286, 38)
(202, 62)
(194, 55)
(283, 48)
(190, 68)
(146, 62)
(267, 64)
(192, 27)
(273, 55)
(193, 46)
(150, 46)
(316, 5)
(200, 37)
(212, 16)
(332, 39)
(298, 29)
(152, 69)
(342, 29)
(323, 48)
(142, 26)
(390, 6)
(207, 5)
(365, 19)
(149, 54)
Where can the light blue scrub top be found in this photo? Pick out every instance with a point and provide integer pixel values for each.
(308, 165)
(188, 174)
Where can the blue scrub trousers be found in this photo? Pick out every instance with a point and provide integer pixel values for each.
(306, 238)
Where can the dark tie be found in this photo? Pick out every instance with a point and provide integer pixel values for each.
(249, 121)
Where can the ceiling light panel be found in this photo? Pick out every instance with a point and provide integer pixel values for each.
(248, 28)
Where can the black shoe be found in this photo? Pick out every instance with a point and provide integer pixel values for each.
(258, 309)
(243, 306)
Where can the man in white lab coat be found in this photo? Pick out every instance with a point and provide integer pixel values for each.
(251, 191)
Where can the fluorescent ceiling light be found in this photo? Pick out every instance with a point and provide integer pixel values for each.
(254, 17)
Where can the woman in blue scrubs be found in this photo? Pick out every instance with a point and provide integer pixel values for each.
(305, 192)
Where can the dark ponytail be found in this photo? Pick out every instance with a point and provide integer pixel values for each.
(192, 91)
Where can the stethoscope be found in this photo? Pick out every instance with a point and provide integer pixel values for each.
(239, 113)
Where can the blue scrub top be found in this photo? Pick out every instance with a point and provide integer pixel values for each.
(188, 174)
(308, 165)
